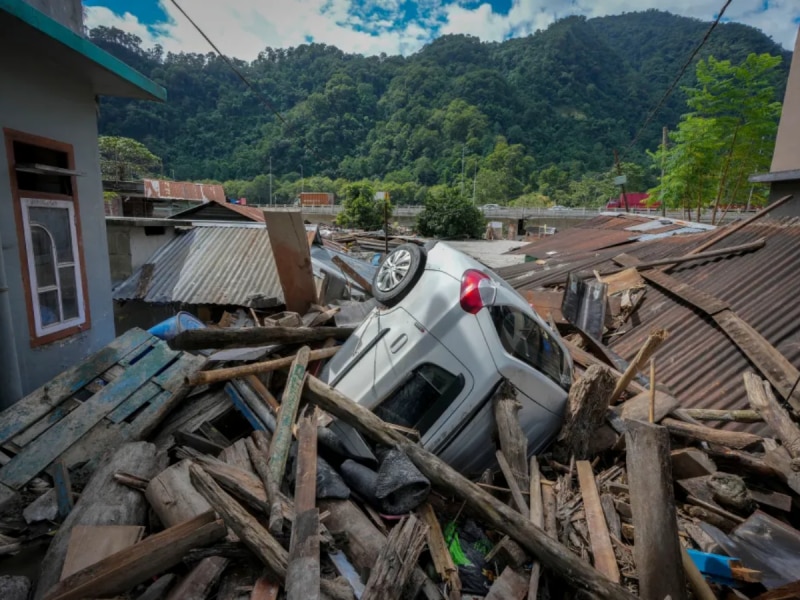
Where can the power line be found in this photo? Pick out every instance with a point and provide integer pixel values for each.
(680, 74)
(241, 76)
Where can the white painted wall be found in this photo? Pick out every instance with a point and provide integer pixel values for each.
(40, 99)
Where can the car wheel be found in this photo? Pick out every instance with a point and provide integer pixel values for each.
(397, 274)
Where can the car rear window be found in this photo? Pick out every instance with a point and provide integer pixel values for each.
(525, 339)
(421, 398)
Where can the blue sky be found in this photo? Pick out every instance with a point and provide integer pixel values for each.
(242, 28)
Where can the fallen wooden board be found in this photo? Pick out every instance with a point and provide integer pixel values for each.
(35, 457)
(290, 251)
(121, 571)
(220, 339)
(89, 544)
(37, 404)
(602, 550)
(638, 407)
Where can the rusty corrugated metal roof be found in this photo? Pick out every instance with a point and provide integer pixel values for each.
(699, 363)
(223, 265)
(160, 189)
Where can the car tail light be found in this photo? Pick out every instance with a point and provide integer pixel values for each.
(477, 291)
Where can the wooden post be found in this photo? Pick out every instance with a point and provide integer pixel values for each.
(516, 493)
(647, 350)
(290, 401)
(173, 497)
(273, 504)
(759, 392)
(603, 552)
(396, 561)
(290, 251)
(302, 576)
(701, 433)
(537, 518)
(657, 550)
(495, 514)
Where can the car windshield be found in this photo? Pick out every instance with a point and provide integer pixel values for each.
(525, 339)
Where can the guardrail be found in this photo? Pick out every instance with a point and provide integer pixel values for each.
(505, 212)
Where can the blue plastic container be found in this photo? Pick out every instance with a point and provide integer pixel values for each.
(166, 330)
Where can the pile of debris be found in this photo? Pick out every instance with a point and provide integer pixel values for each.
(213, 465)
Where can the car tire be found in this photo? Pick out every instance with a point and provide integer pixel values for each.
(397, 274)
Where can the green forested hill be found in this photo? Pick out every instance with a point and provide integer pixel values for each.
(567, 95)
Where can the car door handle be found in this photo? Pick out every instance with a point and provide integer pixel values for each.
(398, 343)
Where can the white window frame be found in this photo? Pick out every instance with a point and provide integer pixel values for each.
(60, 325)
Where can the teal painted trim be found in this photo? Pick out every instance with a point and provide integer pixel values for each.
(64, 35)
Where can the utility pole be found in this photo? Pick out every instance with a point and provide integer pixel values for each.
(663, 161)
(622, 179)
(302, 180)
(270, 180)
(463, 147)
(474, 183)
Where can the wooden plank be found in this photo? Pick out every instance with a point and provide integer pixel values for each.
(513, 441)
(701, 433)
(287, 237)
(244, 408)
(602, 550)
(143, 395)
(487, 508)
(290, 401)
(37, 404)
(63, 487)
(197, 585)
(172, 496)
(103, 502)
(121, 571)
(353, 274)
(442, 559)
(258, 448)
(537, 518)
(651, 344)
(516, 493)
(36, 457)
(657, 548)
(637, 408)
(265, 589)
(250, 531)
(691, 462)
(89, 544)
(221, 339)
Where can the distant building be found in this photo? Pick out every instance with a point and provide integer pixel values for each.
(316, 198)
(55, 287)
(784, 173)
(636, 201)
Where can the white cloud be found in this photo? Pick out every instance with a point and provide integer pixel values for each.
(243, 28)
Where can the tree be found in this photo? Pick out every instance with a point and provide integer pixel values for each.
(727, 135)
(447, 215)
(360, 209)
(125, 159)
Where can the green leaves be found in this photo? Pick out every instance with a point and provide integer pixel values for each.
(361, 210)
(124, 159)
(447, 215)
(727, 136)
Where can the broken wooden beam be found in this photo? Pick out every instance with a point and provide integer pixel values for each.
(290, 402)
(220, 339)
(503, 518)
(199, 582)
(726, 416)
(303, 571)
(759, 393)
(732, 439)
(290, 251)
(217, 375)
(657, 549)
(513, 441)
(396, 561)
(651, 344)
(353, 274)
(121, 571)
(266, 548)
(586, 411)
(603, 552)
(440, 554)
(259, 450)
(537, 518)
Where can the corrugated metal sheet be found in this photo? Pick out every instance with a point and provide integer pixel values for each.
(159, 189)
(230, 265)
(699, 363)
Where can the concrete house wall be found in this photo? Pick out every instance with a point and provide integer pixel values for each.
(42, 100)
(66, 12)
